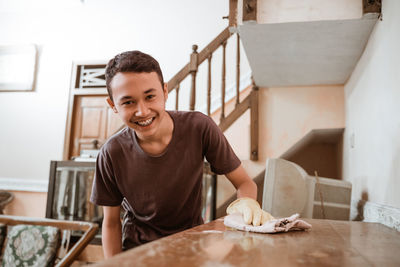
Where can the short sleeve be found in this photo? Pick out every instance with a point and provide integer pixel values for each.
(217, 149)
(105, 190)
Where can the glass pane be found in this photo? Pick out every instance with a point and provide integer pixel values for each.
(71, 195)
(208, 194)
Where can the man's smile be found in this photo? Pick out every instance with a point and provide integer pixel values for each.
(145, 122)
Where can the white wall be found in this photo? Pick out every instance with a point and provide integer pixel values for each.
(32, 124)
(281, 11)
(373, 115)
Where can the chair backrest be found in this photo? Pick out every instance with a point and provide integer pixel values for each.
(288, 189)
(70, 185)
(3, 228)
(64, 227)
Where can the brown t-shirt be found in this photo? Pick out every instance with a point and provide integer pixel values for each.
(161, 194)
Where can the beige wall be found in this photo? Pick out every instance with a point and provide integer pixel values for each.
(32, 204)
(288, 113)
(372, 137)
(321, 157)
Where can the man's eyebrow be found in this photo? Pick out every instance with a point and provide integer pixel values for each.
(125, 98)
(149, 91)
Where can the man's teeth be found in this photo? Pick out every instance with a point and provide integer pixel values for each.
(146, 122)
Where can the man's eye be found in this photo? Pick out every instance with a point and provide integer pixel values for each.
(127, 102)
(150, 97)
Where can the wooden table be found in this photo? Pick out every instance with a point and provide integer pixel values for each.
(328, 243)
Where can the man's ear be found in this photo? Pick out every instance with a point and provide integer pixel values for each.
(111, 104)
(165, 90)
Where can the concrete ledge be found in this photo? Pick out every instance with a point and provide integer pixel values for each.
(23, 184)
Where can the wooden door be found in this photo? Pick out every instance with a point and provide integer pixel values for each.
(93, 122)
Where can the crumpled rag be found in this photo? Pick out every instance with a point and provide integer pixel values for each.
(291, 223)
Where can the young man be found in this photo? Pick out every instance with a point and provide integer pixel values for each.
(154, 167)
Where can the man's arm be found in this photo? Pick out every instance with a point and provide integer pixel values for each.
(243, 183)
(246, 204)
(111, 231)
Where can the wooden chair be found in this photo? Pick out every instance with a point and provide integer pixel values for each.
(68, 254)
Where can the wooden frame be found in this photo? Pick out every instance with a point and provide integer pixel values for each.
(89, 229)
(51, 195)
(77, 90)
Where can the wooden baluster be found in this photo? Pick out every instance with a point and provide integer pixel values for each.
(223, 81)
(209, 86)
(194, 58)
(237, 68)
(177, 97)
(233, 13)
(249, 10)
(254, 123)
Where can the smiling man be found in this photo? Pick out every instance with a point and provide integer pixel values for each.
(154, 166)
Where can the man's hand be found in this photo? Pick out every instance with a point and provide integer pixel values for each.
(251, 211)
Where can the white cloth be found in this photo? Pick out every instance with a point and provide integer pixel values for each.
(291, 223)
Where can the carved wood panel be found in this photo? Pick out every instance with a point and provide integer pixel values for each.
(93, 123)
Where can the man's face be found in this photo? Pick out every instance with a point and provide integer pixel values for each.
(139, 99)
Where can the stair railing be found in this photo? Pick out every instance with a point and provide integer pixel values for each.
(250, 102)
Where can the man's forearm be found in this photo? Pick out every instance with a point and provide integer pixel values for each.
(111, 239)
(243, 183)
(248, 189)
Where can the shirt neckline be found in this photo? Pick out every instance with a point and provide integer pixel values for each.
(144, 153)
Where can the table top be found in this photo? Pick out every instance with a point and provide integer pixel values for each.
(328, 243)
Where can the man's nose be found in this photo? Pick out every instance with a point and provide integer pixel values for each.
(142, 110)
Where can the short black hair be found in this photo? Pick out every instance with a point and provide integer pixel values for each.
(131, 61)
